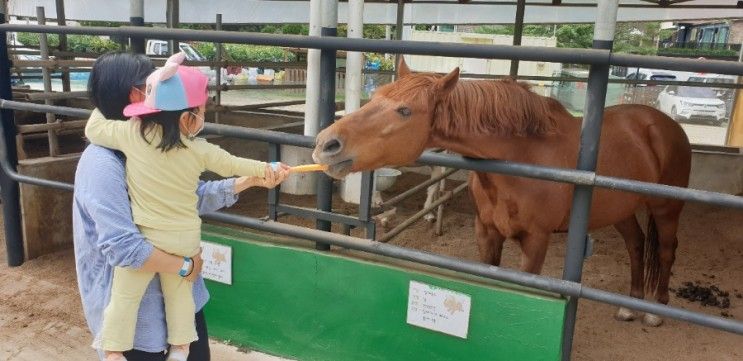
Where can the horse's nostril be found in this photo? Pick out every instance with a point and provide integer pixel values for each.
(332, 146)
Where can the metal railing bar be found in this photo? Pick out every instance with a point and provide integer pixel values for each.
(421, 213)
(524, 53)
(312, 213)
(578, 177)
(405, 195)
(565, 175)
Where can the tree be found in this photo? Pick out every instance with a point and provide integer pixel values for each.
(574, 36)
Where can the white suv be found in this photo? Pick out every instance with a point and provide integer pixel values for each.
(692, 103)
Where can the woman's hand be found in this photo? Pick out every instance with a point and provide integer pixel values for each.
(195, 268)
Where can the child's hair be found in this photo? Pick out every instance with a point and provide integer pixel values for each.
(169, 121)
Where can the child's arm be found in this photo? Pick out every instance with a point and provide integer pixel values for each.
(225, 164)
(107, 133)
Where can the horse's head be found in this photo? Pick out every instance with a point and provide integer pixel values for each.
(392, 129)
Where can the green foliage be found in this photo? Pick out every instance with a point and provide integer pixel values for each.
(269, 29)
(249, 53)
(374, 31)
(342, 30)
(208, 50)
(295, 29)
(384, 63)
(529, 30)
(574, 36)
(76, 43)
(693, 53)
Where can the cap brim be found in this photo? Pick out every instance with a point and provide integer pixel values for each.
(137, 109)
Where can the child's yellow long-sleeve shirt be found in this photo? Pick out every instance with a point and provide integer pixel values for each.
(162, 185)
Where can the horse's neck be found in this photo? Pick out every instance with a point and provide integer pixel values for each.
(502, 146)
(479, 146)
(547, 149)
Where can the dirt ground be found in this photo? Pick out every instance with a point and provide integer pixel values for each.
(41, 317)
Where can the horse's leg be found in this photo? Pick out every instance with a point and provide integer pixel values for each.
(533, 250)
(634, 240)
(489, 242)
(666, 217)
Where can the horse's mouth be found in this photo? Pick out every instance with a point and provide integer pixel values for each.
(340, 169)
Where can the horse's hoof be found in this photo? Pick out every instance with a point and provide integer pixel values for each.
(652, 320)
(625, 314)
(429, 218)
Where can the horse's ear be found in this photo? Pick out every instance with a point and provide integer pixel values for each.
(402, 67)
(448, 82)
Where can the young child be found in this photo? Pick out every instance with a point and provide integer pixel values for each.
(163, 163)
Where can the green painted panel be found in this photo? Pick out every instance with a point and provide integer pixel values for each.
(308, 305)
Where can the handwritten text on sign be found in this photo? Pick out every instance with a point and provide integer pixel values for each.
(438, 309)
(217, 262)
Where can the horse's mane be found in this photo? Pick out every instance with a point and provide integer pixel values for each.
(504, 107)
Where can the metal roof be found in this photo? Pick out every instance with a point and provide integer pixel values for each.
(416, 12)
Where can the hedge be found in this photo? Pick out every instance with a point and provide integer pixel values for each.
(245, 53)
(76, 43)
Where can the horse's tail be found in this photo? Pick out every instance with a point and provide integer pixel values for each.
(652, 259)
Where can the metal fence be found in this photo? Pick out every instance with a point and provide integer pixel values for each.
(584, 177)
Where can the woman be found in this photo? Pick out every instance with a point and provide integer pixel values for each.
(105, 235)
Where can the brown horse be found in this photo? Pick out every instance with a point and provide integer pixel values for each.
(506, 120)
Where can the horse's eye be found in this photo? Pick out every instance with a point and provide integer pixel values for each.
(404, 111)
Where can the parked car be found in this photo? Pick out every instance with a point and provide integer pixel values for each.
(645, 93)
(692, 103)
(650, 74)
(727, 95)
(157, 48)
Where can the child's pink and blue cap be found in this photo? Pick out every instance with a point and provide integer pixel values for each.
(172, 87)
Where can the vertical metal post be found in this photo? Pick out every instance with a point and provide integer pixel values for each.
(598, 78)
(367, 189)
(61, 21)
(9, 187)
(354, 71)
(517, 32)
(327, 107)
(218, 68)
(398, 26)
(172, 17)
(274, 155)
(44, 49)
(136, 18)
(312, 95)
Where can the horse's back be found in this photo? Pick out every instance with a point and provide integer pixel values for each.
(651, 130)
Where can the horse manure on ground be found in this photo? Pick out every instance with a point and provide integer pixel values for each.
(707, 295)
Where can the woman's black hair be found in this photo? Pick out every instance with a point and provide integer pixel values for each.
(111, 80)
(169, 122)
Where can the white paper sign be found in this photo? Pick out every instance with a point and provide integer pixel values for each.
(217, 262)
(438, 309)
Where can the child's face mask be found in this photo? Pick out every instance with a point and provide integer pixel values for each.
(201, 121)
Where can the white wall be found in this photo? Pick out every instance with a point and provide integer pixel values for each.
(479, 66)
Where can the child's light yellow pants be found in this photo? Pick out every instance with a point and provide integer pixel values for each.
(129, 285)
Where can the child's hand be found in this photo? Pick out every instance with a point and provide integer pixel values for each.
(275, 174)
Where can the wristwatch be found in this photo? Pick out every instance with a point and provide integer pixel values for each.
(187, 267)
